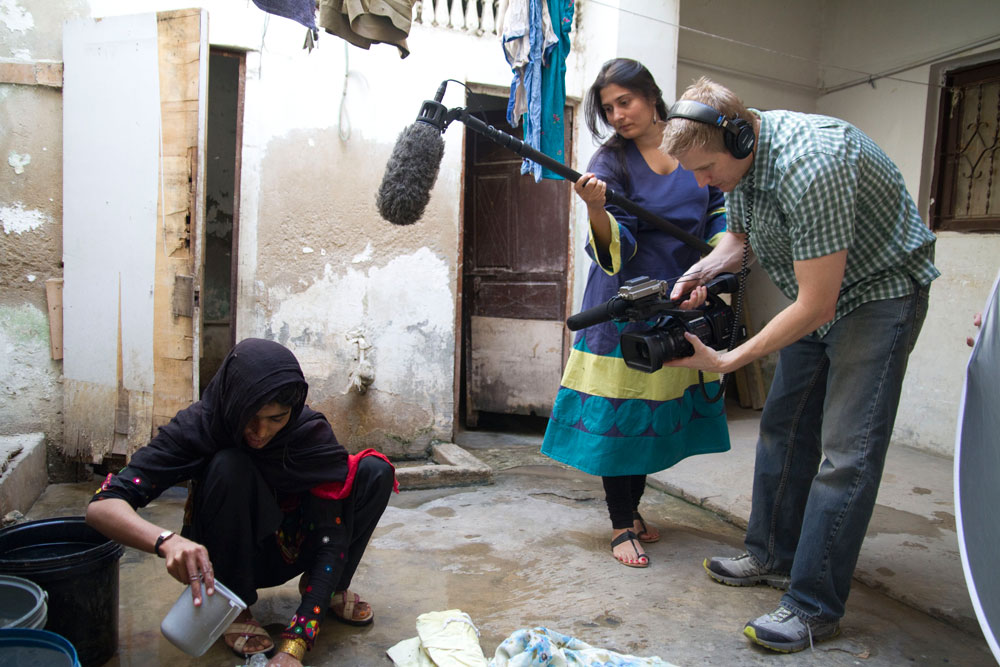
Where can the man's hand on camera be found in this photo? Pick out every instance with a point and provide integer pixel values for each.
(704, 358)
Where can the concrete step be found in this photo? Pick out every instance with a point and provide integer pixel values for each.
(23, 471)
(451, 466)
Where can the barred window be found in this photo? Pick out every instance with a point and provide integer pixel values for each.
(967, 164)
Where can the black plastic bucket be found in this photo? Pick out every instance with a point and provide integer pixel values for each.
(78, 568)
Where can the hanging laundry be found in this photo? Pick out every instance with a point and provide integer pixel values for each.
(535, 38)
(300, 11)
(366, 22)
(552, 129)
(527, 35)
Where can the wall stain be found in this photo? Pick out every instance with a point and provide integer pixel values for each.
(25, 323)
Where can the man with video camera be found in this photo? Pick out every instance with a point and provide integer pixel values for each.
(827, 215)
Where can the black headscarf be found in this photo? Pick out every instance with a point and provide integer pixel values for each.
(302, 455)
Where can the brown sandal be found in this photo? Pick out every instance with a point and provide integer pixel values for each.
(349, 608)
(239, 633)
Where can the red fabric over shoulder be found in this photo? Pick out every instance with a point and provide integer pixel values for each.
(340, 490)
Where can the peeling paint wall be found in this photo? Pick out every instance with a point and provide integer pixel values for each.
(30, 231)
(319, 270)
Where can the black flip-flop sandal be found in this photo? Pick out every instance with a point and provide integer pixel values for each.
(629, 536)
(645, 531)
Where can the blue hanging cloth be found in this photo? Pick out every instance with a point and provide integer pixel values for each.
(554, 86)
(301, 11)
(536, 52)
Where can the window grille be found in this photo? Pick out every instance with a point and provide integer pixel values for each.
(967, 166)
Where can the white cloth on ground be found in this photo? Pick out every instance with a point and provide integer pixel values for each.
(444, 639)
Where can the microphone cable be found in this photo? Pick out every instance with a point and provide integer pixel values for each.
(740, 293)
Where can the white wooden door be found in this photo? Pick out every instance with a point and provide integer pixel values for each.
(131, 225)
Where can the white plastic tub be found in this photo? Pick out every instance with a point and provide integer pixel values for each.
(23, 603)
(194, 629)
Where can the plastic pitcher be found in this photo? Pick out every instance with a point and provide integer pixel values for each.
(194, 629)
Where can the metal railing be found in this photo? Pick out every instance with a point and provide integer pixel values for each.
(478, 17)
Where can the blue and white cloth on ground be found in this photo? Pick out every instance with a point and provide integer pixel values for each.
(541, 647)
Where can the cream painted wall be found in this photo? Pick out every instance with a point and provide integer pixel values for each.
(900, 114)
(837, 42)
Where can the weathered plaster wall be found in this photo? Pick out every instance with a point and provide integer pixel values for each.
(30, 230)
(323, 273)
(318, 269)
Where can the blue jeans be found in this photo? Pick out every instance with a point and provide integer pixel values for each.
(832, 397)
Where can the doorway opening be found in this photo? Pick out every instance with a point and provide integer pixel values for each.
(226, 80)
(515, 259)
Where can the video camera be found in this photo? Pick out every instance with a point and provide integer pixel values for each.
(643, 299)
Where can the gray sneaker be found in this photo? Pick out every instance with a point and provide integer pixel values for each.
(784, 631)
(744, 571)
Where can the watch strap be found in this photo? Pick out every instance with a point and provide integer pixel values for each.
(163, 537)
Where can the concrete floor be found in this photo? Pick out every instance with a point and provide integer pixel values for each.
(532, 549)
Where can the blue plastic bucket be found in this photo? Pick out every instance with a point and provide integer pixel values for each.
(78, 569)
(25, 646)
(22, 603)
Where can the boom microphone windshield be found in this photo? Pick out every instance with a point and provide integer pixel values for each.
(410, 174)
(413, 166)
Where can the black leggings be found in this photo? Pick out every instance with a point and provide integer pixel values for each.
(622, 495)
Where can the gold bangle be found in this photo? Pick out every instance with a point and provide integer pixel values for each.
(293, 647)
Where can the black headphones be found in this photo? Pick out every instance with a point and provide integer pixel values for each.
(737, 134)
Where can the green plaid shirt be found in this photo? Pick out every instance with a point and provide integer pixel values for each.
(822, 186)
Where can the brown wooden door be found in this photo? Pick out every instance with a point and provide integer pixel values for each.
(516, 242)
